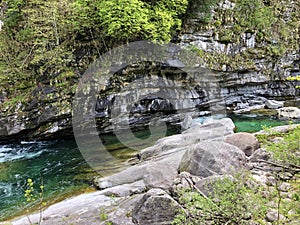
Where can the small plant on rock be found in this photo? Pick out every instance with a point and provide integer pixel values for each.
(33, 195)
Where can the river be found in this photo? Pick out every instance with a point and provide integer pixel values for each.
(61, 169)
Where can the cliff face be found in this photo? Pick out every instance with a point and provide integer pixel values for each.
(250, 66)
(253, 63)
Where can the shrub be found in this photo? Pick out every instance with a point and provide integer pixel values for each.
(287, 151)
(231, 201)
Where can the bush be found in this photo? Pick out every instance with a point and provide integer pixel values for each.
(231, 201)
(128, 20)
(287, 151)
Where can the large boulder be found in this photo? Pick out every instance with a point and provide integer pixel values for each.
(155, 207)
(273, 104)
(248, 143)
(212, 157)
(289, 112)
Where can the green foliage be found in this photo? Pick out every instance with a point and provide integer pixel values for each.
(123, 19)
(32, 195)
(35, 44)
(103, 216)
(202, 8)
(230, 201)
(254, 15)
(287, 151)
(295, 79)
(46, 41)
(127, 20)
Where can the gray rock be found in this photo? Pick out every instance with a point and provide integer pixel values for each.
(226, 122)
(125, 189)
(284, 187)
(246, 110)
(187, 122)
(248, 143)
(272, 104)
(289, 112)
(156, 207)
(121, 215)
(272, 215)
(212, 157)
(259, 154)
(158, 173)
(78, 210)
(185, 180)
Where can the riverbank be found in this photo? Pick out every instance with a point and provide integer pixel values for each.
(146, 192)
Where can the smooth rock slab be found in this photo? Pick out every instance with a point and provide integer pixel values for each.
(125, 189)
(211, 129)
(82, 210)
(157, 173)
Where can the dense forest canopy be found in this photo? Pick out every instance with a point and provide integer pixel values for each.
(52, 42)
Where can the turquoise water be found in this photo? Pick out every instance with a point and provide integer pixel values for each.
(55, 164)
(253, 123)
(58, 165)
(61, 168)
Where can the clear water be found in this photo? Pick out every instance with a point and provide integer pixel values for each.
(63, 171)
(253, 123)
(59, 165)
(56, 164)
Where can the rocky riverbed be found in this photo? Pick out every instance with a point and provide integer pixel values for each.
(146, 193)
